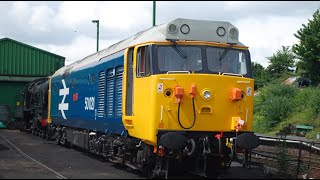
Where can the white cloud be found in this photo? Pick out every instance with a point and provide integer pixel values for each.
(39, 18)
(132, 14)
(65, 28)
(266, 37)
(81, 47)
(71, 13)
(73, 52)
(21, 9)
(237, 4)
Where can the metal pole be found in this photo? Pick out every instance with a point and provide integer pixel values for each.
(97, 21)
(154, 13)
(97, 35)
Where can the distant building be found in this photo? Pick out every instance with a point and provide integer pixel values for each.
(298, 81)
(21, 63)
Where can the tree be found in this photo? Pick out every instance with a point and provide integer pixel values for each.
(280, 62)
(308, 49)
(259, 74)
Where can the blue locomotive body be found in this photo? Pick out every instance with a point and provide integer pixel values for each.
(78, 97)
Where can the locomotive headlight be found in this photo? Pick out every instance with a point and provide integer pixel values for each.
(233, 32)
(172, 28)
(206, 94)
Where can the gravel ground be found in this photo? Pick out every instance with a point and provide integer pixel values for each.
(69, 163)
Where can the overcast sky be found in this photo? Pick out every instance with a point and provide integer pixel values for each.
(65, 28)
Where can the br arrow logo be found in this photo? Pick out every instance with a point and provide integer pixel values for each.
(63, 92)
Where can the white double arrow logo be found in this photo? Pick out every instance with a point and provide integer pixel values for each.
(63, 92)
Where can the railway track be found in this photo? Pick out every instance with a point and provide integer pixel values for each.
(294, 155)
(71, 163)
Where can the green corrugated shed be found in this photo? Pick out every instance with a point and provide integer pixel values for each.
(19, 59)
(21, 63)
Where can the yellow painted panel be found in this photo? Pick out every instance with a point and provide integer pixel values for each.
(152, 109)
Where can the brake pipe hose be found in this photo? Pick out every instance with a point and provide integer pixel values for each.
(194, 115)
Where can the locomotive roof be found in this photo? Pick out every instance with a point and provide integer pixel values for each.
(200, 30)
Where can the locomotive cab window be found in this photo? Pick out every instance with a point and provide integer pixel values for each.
(143, 62)
(187, 58)
(234, 61)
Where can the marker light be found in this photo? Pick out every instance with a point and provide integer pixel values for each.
(221, 31)
(185, 29)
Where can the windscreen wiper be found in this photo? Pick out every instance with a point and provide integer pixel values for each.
(225, 52)
(178, 49)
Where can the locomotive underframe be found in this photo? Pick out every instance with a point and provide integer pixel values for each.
(211, 152)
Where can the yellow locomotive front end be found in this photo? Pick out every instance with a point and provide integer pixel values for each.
(192, 96)
(193, 99)
(202, 103)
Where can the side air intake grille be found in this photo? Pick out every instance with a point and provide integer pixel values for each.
(110, 93)
(101, 94)
(118, 92)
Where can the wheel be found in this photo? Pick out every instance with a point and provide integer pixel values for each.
(11, 126)
(147, 171)
(149, 165)
(44, 135)
(48, 137)
(63, 138)
(58, 137)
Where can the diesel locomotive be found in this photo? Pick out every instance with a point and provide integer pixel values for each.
(175, 96)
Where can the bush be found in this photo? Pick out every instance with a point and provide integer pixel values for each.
(277, 106)
(273, 104)
(259, 125)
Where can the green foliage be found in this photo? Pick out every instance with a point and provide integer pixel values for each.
(259, 124)
(313, 134)
(308, 49)
(280, 62)
(259, 74)
(277, 106)
(280, 79)
(281, 153)
(308, 99)
(273, 104)
(278, 70)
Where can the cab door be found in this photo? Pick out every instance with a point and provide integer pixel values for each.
(128, 89)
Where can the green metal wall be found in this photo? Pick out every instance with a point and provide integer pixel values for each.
(8, 93)
(21, 63)
(18, 59)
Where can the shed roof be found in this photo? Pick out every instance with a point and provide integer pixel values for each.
(26, 45)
